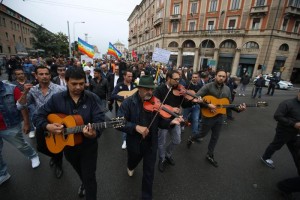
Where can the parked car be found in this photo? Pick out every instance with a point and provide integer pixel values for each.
(282, 84)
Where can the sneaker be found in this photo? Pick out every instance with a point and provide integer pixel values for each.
(170, 160)
(130, 172)
(225, 122)
(268, 162)
(239, 94)
(124, 146)
(243, 95)
(81, 191)
(4, 178)
(189, 142)
(35, 162)
(211, 160)
(161, 165)
(31, 134)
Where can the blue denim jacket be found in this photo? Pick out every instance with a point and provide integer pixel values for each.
(11, 115)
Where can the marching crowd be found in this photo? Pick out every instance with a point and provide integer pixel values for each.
(91, 89)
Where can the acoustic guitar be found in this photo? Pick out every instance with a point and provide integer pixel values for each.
(126, 94)
(222, 104)
(72, 133)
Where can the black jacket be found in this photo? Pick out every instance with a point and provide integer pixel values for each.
(101, 89)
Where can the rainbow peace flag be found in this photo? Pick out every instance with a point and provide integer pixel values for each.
(112, 50)
(85, 48)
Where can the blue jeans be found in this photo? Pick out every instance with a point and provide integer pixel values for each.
(194, 113)
(257, 90)
(167, 150)
(15, 137)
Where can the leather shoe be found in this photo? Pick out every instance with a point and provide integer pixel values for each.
(211, 160)
(58, 171)
(81, 191)
(161, 165)
(170, 160)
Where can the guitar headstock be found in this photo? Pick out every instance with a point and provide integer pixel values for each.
(261, 104)
(117, 122)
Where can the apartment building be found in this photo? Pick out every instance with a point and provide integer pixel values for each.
(15, 32)
(239, 36)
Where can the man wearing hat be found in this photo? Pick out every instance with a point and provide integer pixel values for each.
(88, 77)
(142, 135)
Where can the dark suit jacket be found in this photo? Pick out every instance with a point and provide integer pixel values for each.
(56, 80)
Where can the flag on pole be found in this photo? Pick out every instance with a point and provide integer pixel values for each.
(112, 50)
(134, 55)
(85, 48)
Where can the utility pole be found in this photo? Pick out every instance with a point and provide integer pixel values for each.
(70, 51)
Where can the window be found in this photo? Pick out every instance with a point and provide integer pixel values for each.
(20, 39)
(12, 26)
(284, 24)
(207, 44)
(251, 45)
(25, 41)
(176, 10)
(4, 23)
(6, 34)
(189, 44)
(211, 25)
(228, 44)
(194, 6)
(296, 27)
(235, 4)
(9, 50)
(294, 3)
(213, 5)
(17, 27)
(260, 2)
(174, 27)
(255, 23)
(173, 44)
(284, 47)
(1, 49)
(14, 37)
(192, 26)
(231, 24)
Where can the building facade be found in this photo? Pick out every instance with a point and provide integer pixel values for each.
(121, 47)
(240, 36)
(15, 32)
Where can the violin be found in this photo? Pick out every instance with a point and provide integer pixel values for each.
(164, 110)
(188, 94)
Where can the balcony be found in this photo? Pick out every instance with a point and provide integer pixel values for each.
(129, 39)
(259, 11)
(140, 33)
(158, 22)
(292, 11)
(147, 29)
(176, 17)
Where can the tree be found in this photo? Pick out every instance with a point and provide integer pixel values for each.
(53, 44)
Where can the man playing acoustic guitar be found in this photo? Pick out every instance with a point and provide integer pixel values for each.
(77, 101)
(218, 90)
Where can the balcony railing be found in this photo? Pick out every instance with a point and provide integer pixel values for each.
(134, 35)
(158, 22)
(292, 11)
(222, 32)
(259, 10)
(176, 17)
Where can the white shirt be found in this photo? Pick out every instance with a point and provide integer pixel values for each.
(116, 79)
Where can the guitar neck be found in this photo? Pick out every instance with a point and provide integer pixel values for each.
(78, 129)
(235, 105)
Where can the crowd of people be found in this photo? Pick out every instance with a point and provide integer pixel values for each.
(91, 89)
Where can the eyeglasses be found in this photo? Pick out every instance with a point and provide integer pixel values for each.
(176, 79)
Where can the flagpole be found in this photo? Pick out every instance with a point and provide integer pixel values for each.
(70, 51)
(157, 72)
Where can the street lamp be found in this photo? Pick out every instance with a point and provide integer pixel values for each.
(74, 28)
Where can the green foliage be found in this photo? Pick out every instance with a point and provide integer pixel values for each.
(53, 44)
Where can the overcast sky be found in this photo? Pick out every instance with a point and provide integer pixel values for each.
(105, 20)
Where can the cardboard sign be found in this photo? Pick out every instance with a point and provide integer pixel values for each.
(161, 55)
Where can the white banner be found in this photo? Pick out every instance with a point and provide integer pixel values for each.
(161, 55)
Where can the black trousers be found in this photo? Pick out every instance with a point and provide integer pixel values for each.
(215, 125)
(290, 139)
(289, 185)
(83, 159)
(148, 154)
(42, 147)
(271, 89)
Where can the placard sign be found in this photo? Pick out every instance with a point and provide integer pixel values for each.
(161, 55)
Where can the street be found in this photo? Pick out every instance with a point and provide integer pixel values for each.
(240, 176)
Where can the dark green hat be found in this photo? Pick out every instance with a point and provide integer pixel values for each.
(146, 82)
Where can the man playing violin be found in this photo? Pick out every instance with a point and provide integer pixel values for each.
(217, 89)
(169, 94)
(142, 132)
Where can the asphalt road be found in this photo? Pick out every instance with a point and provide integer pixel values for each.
(240, 175)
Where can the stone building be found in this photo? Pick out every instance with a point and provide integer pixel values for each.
(240, 36)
